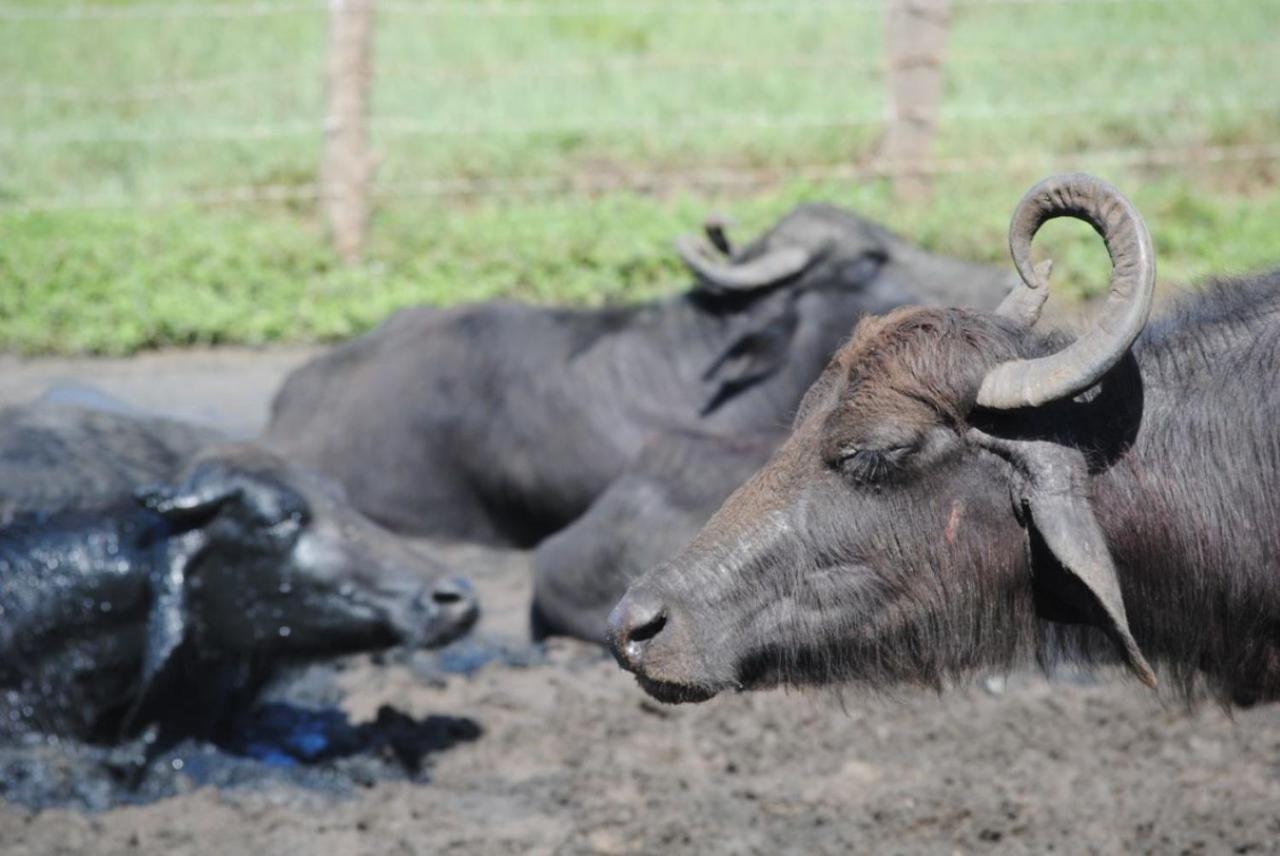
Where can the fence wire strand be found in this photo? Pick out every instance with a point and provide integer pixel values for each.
(746, 7)
(160, 90)
(18, 90)
(409, 126)
(159, 11)
(722, 178)
(215, 133)
(666, 181)
(631, 65)
(765, 122)
(514, 9)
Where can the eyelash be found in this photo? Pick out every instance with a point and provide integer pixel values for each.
(867, 466)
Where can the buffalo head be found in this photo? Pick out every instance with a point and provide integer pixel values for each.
(268, 559)
(931, 505)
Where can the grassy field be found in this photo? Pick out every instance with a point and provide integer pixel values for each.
(99, 254)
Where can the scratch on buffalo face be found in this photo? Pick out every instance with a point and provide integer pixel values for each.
(953, 522)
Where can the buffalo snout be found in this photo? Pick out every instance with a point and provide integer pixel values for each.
(635, 622)
(454, 610)
(423, 614)
(659, 644)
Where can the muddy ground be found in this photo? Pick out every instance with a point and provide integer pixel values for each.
(572, 758)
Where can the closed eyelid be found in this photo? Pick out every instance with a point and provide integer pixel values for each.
(864, 465)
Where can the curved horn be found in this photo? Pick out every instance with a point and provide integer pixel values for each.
(771, 268)
(1027, 383)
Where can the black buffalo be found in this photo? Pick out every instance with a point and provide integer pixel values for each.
(503, 422)
(963, 491)
(125, 604)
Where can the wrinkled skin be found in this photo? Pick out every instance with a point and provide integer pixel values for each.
(502, 422)
(646, 516)
(883, 544)
(175, 606)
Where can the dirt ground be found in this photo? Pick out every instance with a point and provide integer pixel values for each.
(574, 759)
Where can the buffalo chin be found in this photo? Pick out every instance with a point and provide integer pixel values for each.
(669, 693)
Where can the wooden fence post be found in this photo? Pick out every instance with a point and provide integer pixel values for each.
(915, 40)
(347, 171)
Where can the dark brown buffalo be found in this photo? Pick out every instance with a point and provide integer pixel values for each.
(963, 491)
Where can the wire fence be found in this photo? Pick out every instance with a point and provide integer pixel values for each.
(506, 9)
(666, 181)
(174, 122)
(406, 126)
(18, 89)
(15, 89)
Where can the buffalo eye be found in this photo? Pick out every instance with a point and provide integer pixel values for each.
(869, 466)
(864, 268)
(291, 522)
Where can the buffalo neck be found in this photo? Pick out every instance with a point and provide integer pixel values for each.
(660, 367)
(1190, 508)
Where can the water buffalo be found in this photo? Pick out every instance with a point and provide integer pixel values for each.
(502, 422)
(165, 605)
(646, 516)
(962, 491)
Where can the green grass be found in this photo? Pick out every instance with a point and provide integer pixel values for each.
(126, 276)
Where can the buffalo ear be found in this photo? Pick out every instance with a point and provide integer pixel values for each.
(752, 357)
(1022, 305)
(1055, 491)
(185, 507)
(716, 226)
(167, 619)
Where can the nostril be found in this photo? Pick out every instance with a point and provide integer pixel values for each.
(452, 592)
(633, 625)
(649, 629)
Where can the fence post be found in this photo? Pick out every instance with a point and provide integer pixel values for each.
(915, 40)
(348, 165)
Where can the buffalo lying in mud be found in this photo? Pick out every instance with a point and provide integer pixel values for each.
(502, 422)
(962, 491)
(645, 517)
(172, 603)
